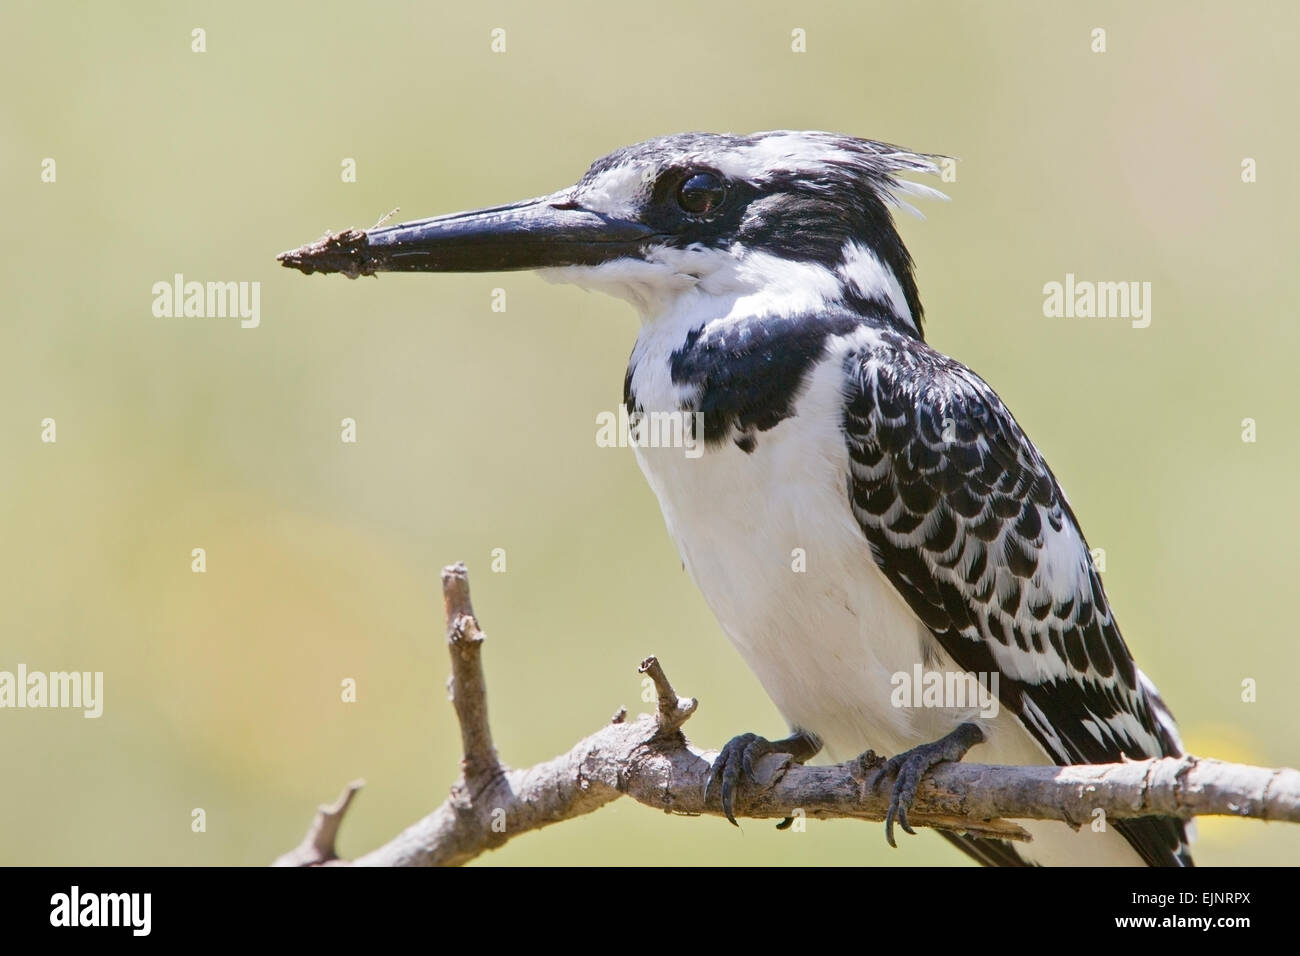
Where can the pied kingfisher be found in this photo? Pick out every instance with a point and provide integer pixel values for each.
(779, 308)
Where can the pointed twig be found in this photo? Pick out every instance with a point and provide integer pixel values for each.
(467, 687)
(317, 847)
(673, 711)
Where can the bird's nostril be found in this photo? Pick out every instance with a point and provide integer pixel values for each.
(569, 203)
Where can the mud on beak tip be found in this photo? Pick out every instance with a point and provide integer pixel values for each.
(341, 252)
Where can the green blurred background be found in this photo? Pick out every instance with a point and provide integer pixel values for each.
(476, 428)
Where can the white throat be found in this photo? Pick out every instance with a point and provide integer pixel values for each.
(698, 285)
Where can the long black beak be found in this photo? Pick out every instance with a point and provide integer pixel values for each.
(533, 234)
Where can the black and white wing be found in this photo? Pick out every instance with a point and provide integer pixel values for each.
(967, 522)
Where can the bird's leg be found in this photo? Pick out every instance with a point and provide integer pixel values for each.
(743, 752)
(912, 765)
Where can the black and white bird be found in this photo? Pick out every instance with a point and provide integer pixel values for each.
(779, 307)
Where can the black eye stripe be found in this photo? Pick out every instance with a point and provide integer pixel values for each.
(701, 193)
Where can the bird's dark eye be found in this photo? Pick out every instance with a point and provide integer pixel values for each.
(701, 193)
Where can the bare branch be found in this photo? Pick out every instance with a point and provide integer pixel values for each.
(673, 710)
(317, 847)
(649, 760)
(467, 687)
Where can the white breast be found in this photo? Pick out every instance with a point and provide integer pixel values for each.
(770, 540)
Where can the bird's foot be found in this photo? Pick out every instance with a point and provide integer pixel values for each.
(742, 753)
(911, 766)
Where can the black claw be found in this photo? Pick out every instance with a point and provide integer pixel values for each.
(889, 826)
(726, 770)
(729, 776)
(902, 819)
(908, 769)
(715, 774)
(740, 754)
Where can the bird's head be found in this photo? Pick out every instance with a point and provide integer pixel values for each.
(782, 219)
